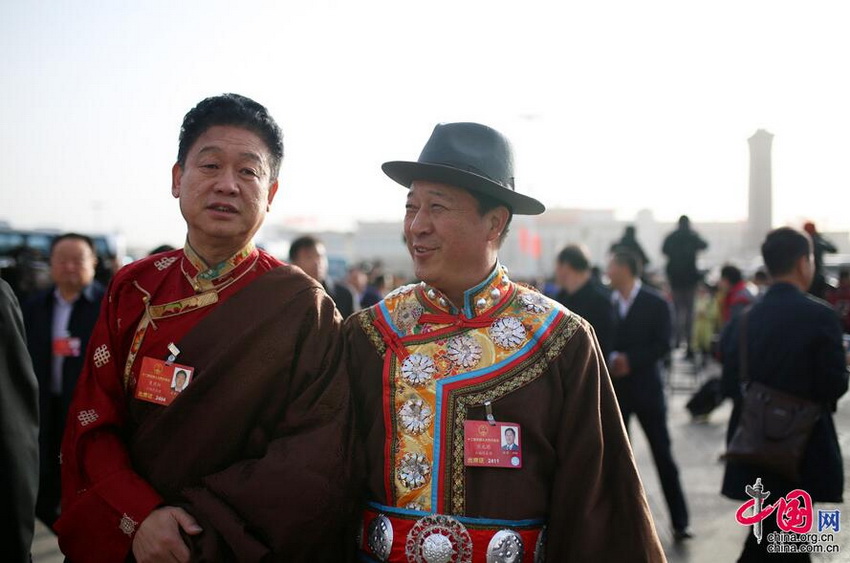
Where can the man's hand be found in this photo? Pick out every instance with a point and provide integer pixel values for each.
(158, 537)
(620, 367)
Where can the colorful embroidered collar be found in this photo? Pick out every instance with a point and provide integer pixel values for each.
(477, 301)
(206, 278)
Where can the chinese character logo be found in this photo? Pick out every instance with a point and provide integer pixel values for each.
(829, 519)
(793, 511)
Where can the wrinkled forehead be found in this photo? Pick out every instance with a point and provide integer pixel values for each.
(426, 188)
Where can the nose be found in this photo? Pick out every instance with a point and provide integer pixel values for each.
(420, 223)
(228, 182)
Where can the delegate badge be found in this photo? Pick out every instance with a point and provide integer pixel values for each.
(492, 445)
(160, 382)
(68, 347)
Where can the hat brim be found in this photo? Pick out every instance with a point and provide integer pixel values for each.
(405, 173)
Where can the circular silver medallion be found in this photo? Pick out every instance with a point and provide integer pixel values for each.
(381, 537)
(463, 351)
(540, 548)
(505, 547)
(413, 470)
(534, 302)
(418, 369)
(415, 416)
(507, 332)
(438, 539)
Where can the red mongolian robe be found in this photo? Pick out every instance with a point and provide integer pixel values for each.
(255, 447)
(425, 377)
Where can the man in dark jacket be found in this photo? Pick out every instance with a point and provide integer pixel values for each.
(820, 246)
(582, 295)
(59, 321)
(794, 345)
(18, 433)
(681, 248)
(641, 340)
(308, 253)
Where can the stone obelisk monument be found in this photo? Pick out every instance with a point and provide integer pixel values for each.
(760, 219)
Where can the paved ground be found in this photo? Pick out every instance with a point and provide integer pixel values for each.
(696, 446)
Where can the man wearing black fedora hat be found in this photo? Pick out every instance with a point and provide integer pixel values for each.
(440, 369)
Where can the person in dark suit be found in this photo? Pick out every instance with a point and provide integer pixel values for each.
(794, 345)
(641, 340)
(629, 243)
(59, 321)
(19, 435)
(681, 248)
(308, 253)
(581, 294)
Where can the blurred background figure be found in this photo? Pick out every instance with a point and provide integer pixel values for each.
(706, 324)
(629, 243)
(761, 281)
(681, 248)
(357, 281)
(840, 298)
(582, 295)
(736, 294)
(59, 322)
(820, 246)
(308, 253)
(18, 434)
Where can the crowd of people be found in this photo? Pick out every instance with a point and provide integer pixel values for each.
(216, 403)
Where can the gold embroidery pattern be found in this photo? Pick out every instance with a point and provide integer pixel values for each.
(519, 376)
(366, 319)
(183, 305)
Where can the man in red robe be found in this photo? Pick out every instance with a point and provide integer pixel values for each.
(249, 461)
(444, 370)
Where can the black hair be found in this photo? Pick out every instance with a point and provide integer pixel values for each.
(575, 257)
(302, 243)
(629, 260)
(731, 273)
(782, 248)
(511, 430)
(488, 203)
(235, 110)
(73, 236)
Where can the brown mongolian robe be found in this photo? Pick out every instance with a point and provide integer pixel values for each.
(256, 447)
(420, 369)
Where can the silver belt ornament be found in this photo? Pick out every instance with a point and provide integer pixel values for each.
(540, 548)
(380, 537)
(442, 539)
(505, 547)
(438, 539)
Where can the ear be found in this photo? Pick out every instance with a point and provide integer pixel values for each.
(272, 192)
(498, 218)
(176, 177)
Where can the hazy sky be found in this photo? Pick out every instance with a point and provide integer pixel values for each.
(623, 105)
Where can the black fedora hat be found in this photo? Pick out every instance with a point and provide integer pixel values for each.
(470, 156)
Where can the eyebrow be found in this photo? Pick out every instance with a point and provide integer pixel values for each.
(433, 192)
(247, 154)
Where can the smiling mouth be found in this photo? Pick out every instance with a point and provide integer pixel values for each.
(419, 249)
(221, 208)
